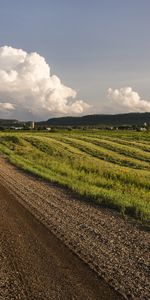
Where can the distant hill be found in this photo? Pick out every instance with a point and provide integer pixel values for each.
(8, 123)
(100, 120)
(89, 120)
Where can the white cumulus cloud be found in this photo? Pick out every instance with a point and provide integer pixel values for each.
(28, 90)
(6, 106)
(126, 100)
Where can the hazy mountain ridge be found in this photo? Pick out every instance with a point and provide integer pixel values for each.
(100, 119)
(88, 120)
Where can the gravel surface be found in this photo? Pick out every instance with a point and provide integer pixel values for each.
(35, 265)
(117, 249)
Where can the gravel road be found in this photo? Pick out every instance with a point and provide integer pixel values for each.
(35, 262)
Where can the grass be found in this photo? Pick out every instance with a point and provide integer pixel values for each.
(109, 168)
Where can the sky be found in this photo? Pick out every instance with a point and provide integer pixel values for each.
(78, 57)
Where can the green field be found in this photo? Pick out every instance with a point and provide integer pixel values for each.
(108, 168)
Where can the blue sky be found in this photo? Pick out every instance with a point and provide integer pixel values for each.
(90, 45)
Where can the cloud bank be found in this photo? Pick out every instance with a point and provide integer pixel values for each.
(126, 100)
(28, 90)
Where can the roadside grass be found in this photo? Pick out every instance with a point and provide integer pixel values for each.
(105, 167)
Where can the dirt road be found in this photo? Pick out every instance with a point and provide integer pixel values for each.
(36, 265)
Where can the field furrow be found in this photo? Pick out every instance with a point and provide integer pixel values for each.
(93, 166)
